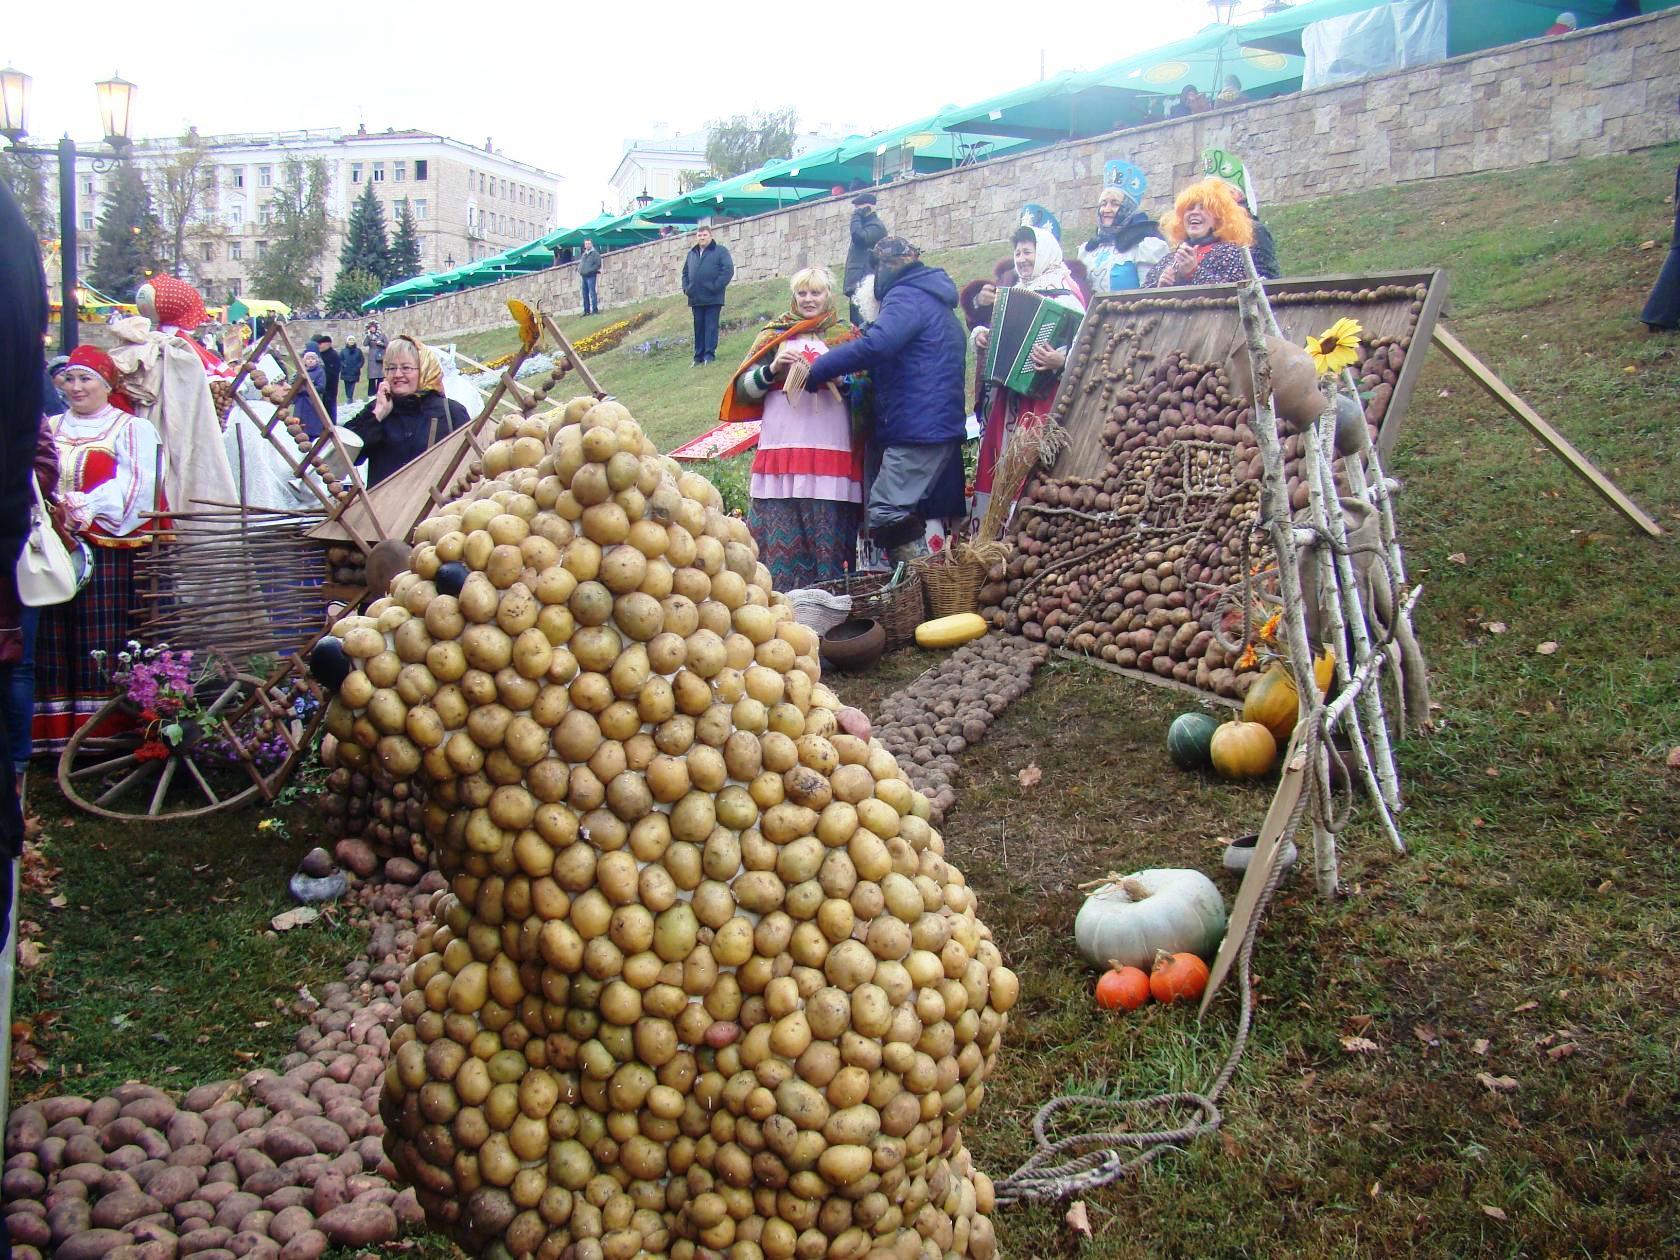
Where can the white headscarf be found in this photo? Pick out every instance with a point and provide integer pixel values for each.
(1050, 270)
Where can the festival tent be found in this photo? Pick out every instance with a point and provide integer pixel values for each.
(736, 197)
(241, 307)
(925, 145)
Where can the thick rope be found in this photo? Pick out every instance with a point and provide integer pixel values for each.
(1061, 1168)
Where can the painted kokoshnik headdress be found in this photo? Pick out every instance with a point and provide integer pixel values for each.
(1129, 182)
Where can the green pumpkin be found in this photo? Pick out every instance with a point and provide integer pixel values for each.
(1188, 739)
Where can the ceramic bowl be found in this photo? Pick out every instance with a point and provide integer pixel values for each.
(855, 643)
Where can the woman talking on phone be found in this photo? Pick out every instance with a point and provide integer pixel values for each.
(408, 413)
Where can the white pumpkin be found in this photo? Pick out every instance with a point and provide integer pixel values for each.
(1125, 922)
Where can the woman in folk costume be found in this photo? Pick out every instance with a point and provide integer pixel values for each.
(1128, 242)
(1211, 233)
(109, 460)
(807, 477)
(1039, 268)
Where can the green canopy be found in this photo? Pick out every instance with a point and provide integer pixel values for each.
(735, 197)
(928, 144)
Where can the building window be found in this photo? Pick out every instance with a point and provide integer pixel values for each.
(355, 172)
(262, 249)
(316, 282)
(262, 214)
(236, 250)
(419, 207)
(239, 177)
(236, 215)
(87, 187)
(234, 286)
(209, 251)
(265, 177)
(379, 172)
(420, 169)
(87, 220)
(481, 181)
(399, 171)
(85, 255)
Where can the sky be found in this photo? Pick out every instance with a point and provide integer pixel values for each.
(562, 94)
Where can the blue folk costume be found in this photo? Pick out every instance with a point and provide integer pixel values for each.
(1128, 242)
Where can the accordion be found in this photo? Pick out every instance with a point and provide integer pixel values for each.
(1022, 320)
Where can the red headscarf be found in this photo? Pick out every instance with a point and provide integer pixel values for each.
(97, 361)
(178, 303)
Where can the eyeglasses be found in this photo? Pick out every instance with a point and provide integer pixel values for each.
(401, 369)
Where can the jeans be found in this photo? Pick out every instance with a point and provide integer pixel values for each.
(350, 389)
(705, 332)
(18, 695)
(591, 303)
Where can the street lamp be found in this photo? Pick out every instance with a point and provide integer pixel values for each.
(116, 104)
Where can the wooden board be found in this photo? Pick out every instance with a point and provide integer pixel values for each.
(397, 500)
(1201, 321)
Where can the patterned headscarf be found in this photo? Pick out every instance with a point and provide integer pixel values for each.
(431, 369)
(95, 360)
(178, 304)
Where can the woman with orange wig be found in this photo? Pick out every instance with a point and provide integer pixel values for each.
(1211, 232)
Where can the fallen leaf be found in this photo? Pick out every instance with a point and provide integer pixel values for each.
(28, 955)
(298, 916)
(1497, 1214)
(1529, 1005)
(1426, 1033)
(1497, 1084)
(1458, 557)
(1375, 1190)
(1605, 886)
(1443, 393)
(1493, 772)
(1479, 1046)
(1359, 1045)
(1548, 648)
(1079, 1221)
(1359, 1023)
(59, 902)
(1495, 627)
(1673, 760)
(1029, 777)
(1562, 1051)
(1647, 245)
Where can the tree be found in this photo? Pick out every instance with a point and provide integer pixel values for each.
(297, 234)
(688, 181)
(126, 250)
(748, 141)
(29, 185)
(366, 247)
(186, 194)
(405, 246)
(352, 288)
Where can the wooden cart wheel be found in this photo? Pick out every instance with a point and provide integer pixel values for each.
(106, 776)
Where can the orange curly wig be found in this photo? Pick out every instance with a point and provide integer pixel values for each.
(1230, 221)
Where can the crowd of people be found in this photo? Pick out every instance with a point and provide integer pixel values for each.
(863, 420)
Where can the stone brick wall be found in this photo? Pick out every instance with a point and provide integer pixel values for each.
(1606, 90)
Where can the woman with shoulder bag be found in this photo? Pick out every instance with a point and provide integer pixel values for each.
(19, 621)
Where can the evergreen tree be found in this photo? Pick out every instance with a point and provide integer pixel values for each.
(127, 249)
(29, 185)
(405, 247)
(352, 288)
(366, 247)
(297, 234)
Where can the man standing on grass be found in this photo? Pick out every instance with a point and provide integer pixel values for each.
(350, 360)
(589, 267)
(706, 273)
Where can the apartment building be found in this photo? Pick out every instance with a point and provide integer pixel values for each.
(468, 202)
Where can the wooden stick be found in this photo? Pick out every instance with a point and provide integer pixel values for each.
(1560, 445)
(359, 491)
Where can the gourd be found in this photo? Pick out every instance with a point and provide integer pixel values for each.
(1122, 989)
(1274, 702)
(1126, 922)
(1177, 977)
(1188, 738)
(1296, 397)
(1242, 750)
(944, 632)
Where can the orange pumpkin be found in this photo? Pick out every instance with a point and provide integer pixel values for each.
(1177, 977)
(1122, 989)
(1274, 702)
(1242, 750)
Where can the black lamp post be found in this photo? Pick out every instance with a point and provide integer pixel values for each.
(116, 103)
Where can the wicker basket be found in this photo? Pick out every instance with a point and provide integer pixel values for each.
(898, 608)
(953, 584)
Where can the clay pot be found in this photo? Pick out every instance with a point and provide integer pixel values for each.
(855, 643)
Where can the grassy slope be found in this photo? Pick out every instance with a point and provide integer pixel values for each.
(1537, 909)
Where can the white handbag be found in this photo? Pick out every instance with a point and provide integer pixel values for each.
(45, 572)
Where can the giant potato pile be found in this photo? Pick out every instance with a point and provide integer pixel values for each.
(703, 982)
(1141, 564)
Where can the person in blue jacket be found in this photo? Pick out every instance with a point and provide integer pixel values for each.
(706, 273)
(914, 354)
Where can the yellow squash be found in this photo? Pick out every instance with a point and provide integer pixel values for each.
(944, 632)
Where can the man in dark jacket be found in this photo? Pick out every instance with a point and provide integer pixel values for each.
(350, 361)
(329, 362)
(867, 229)
(706, 273)
(589, 266)
(913, 353)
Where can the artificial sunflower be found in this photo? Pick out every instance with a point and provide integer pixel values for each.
(1337, 347)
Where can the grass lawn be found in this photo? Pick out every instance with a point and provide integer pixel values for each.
(1533, 932)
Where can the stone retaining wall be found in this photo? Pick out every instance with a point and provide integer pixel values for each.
(1607, 90)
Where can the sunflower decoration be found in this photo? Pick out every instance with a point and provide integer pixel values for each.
(1336, 348)
(529, 319)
